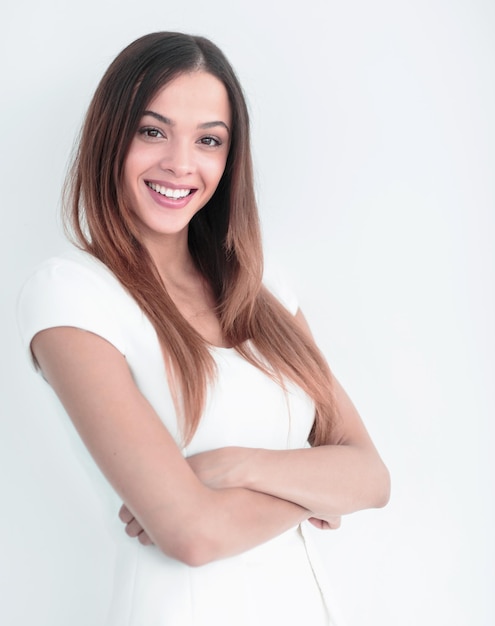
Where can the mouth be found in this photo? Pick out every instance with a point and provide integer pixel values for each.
(171, 194)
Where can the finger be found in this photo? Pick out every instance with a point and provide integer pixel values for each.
(331, 524)
(318, 523)
(125, 515)
(134, 528)
(144, 539)
(335, 522)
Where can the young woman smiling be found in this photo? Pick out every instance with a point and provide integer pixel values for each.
(191, 377)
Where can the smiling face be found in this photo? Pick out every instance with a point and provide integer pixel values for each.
(178, 155)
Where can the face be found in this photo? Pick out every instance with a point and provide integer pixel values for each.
(178, 154)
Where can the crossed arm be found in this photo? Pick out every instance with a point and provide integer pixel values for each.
(215, 504)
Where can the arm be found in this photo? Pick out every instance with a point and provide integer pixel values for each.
(138, 456)
(341, 477)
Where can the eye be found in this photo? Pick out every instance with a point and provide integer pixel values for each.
(150, 132)
(211, 142)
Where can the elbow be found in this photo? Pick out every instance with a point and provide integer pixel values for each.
(370, 486)
(373, 483)
(193, 539)
(196, 554)
(381, 487)
(190, 547)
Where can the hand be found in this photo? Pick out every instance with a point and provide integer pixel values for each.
(223, 467)
(228, 467)
(332, 523)
(132, 527)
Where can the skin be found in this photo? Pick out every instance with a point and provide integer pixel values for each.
(245, 496)
(183, 141)
(332, 480)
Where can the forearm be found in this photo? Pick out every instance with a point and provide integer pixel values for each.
(225, 522)
(240, 519)
(327, 480)
(335, 479)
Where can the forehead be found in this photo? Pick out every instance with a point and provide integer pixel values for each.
(196, 96)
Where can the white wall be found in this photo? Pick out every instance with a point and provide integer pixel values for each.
(374, 138)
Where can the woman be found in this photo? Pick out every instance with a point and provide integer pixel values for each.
(197, 388)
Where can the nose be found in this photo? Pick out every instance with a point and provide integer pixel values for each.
(178, 159)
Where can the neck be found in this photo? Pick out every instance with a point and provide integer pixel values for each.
(171, 256)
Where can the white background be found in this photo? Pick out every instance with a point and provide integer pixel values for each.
(374, 135)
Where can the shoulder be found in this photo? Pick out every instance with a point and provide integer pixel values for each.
(74, 276)
(74, 289)
(71, 264)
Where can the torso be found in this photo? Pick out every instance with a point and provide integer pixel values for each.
(277, 582)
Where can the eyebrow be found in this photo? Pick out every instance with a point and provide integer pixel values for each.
(169, 122)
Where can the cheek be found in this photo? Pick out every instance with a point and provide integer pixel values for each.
(133, 168)
(216, 169)
(137, 160)
(131, 165)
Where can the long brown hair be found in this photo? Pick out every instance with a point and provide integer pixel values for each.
(224, 237)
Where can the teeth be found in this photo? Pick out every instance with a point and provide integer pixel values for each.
(169, 193)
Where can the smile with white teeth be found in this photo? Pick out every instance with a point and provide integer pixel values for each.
(169, 193)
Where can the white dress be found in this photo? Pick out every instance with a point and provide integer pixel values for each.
(277, 583)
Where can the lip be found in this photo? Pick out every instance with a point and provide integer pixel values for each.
(170, 203)
(168, 185)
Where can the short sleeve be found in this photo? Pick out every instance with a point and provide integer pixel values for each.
(65, 292)
(278, 284)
